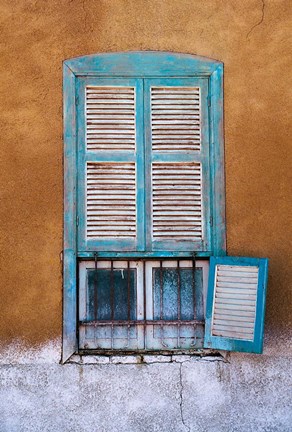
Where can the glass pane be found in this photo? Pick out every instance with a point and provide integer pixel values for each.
(111, 294)
(171, 281)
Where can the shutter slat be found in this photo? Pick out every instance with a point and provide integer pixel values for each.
(236, 269)
(107, 217)
(176, 118)
(176, 218)
(235, 318)
(110, 118)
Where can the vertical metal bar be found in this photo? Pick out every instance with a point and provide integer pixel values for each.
(112, 301)
(161, 302)
(144, 303)
(194, 294)
(129, 302)
(129, 290)
(194, 285)
(178, 302)
(95, 297)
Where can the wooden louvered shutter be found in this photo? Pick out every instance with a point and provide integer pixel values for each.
(110, 147)
(178, 157)
(236, 304)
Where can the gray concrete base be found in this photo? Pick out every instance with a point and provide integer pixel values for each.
(248, 393)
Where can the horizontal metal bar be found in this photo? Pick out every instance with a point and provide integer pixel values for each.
(140, 322)
(144, 255)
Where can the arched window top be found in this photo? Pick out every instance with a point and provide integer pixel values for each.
(143, 63)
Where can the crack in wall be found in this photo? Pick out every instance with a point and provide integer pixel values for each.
(181, 398)
(260, 21)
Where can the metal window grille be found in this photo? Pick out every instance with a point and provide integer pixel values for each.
(142, 305)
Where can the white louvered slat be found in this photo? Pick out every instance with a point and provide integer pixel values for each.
(235, 301)
(111, 200)
(176, 201)
(110, 118)
(176, 119)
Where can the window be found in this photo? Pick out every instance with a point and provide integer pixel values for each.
(142, 305)
(145, 209)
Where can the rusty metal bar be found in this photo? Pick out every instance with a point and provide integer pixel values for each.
(141, 322)
(144, 302)
(112, 302)
(194, 293)
(128, 290)
(194, 284)
(161, 303)
(178, 302)
(128, 301)
(95, 296)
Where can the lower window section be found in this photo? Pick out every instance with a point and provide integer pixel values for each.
(142, 305)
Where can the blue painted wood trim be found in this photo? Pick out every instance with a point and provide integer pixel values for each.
(217, 165)
(142, 64)
(69, 345)
(153, 254)
(140, 167)
(228, 344)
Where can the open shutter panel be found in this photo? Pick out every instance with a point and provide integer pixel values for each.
(110, 147)
(179, 165)
(236, 304)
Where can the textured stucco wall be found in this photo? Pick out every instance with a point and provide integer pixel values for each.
(251, 393)
(247, 393)
(250, 37)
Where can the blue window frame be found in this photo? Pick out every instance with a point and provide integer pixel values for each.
(142, 71)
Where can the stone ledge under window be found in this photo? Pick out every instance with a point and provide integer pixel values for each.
(140, 359)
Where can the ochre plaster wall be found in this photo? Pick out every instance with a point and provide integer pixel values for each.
(250, 37)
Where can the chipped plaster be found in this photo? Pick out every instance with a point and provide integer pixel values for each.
(162, 394)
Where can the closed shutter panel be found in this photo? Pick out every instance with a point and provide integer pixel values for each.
(110, 143)
(180, 183)
(176, 118)
(236, 304)
(110, 118)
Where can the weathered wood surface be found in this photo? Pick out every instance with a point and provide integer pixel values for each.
(236, 304)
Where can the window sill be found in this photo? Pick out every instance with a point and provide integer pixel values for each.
(145, 358)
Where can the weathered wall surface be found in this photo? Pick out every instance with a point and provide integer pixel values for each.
(180, 394)
(251, 38)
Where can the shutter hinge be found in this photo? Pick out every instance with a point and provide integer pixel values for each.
(211, 221)
(77, 100)
(77, 221)
(209, 101)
